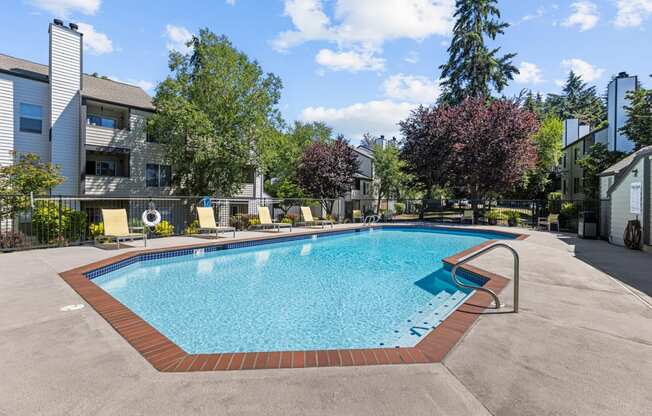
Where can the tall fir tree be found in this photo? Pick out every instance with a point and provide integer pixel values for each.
(579, 101)
(473, 69)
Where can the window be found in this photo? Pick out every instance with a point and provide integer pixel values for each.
(576, 186)
(101, 167)
(563, 186)
(102, 121)
(158, 175)
(249, 174)
(365, 188)
(31, 118)
(576, 154)
(564, 161)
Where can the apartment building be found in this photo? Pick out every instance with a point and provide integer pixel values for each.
(578, 138)
(92, 127)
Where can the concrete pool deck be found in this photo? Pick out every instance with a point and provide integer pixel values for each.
(581, 344)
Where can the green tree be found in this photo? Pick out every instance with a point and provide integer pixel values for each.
(535, 104)
(212, 114)
(280, 151)
(388, 172)
(473, 69)
(27, 176)
(638, 127)
(577, 100)
(549, 150)
(598, 159)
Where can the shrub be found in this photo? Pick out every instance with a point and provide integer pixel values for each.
(13, 239)
(554, 199)
(164, 229)
(400, 208)
(48, 228)
(192, 228)
(568, 215)
(513, 217)
(96, 230)
(290, 219)
(243, 221)
(494, 216)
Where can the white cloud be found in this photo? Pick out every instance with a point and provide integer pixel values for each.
(411, 88)
(365, 22)
(349, 61)
(177, 36)
(96, 42)
(230, 2)
(585, 15)
(586, 70)
(375, 117)
(631, 13)
(145, 85)
(529, 73)
(412, 57)
(63, 8)
(536, 15)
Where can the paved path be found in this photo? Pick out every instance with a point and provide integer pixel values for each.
(582, 344)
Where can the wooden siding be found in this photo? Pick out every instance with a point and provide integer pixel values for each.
(620, 204)
(17, 90)
(65, 104)
(6, 120)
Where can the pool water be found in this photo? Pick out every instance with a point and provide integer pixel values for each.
(378, 288)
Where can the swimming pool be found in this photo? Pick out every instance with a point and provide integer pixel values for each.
(370, 289)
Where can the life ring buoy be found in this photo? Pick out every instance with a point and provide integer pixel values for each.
(151, 217)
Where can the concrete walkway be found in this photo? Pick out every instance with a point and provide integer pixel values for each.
(582, 344)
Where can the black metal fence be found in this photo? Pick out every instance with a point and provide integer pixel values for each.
(49, 221)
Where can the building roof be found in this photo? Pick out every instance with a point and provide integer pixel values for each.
(93, 87)
(621, 165)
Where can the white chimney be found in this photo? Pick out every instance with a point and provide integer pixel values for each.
(65, 73)
(573, 131)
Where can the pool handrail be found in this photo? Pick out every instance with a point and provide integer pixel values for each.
(479, 253)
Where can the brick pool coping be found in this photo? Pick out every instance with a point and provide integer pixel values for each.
(164, 355)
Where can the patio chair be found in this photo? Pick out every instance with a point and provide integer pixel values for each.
(310, 221)
(266, 220)
(116, 227)
(468, 216)
(206, 218)
(549, 221)
(357, 215)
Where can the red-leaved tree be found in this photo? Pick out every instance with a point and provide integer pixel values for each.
(326, 170)
(477, 148)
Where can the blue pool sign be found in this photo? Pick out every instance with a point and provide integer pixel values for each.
(206, 201)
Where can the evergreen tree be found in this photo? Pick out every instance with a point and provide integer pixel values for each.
(536, 104)
(577, 100)
(472, 68)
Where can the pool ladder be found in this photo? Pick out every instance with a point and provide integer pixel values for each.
(371, 219)
(484, 289)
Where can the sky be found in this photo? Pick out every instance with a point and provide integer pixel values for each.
(358, 65)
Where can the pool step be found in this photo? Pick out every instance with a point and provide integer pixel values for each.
(410, 332)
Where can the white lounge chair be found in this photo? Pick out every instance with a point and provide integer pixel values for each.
(266, 220)
(116, 227)
(310, 221)
(206, 218)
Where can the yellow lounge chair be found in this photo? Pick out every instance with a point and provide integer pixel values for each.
(310, 221)
(357, 215)
(266, 220)
(549, 221)
(116, 227)
(206, 217)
